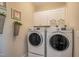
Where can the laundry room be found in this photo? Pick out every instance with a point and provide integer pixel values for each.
(39, 29)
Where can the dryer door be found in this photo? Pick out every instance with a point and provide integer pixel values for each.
(59, 42)
(35, 39)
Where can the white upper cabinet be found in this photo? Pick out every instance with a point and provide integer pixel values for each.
(43, 18)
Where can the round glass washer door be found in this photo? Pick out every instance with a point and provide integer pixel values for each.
(35, 39)
(59, 42)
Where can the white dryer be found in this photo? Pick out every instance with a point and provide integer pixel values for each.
(59, 42)
(36, 42)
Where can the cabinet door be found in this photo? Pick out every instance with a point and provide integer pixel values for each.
(44, 19)
(40, 19)
(36, 19)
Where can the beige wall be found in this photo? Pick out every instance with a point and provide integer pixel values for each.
(48, 5)
(72, 19)
(15, 46)
(72, 12)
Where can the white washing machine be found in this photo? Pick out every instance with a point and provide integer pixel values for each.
(36, 42)
(59, 42)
